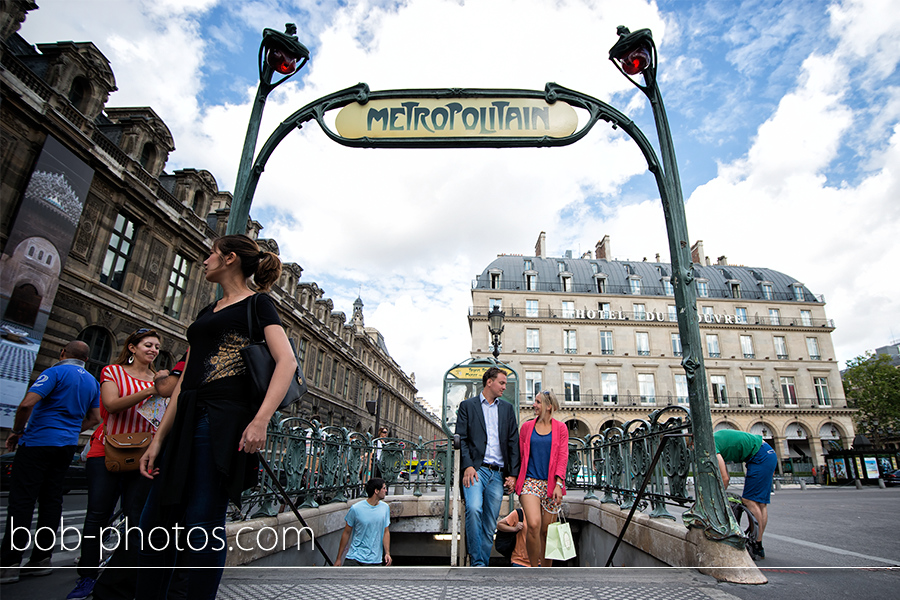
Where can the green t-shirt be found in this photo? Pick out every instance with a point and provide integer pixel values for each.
(737, 446)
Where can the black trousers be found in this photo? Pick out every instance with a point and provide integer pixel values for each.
(37, 477)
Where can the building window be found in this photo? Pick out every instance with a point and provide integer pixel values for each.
(740, 315)
(118, 253)
(495, 302)
(639, 311)
(99, 342)
(148, 156)
(780, 348)
(647, 388)
(673, 313)
(175, 292)
(681, 388)
(301, 352)
(708, 311)
(788, 391)
(642, 341)
(531, 308)
(561, 266)
(735, 290)
(720, 396)
(604, 309)
(495, 281)
(566, 283)
(668, 288)
(606, 343)
(531, 283)
(806, 318)
(572, 382)
(747, 346)
(767, 291)
(528, 265)
(822, 396)
(595, 268)
(569, 341)
(812, 345)
(702, 288)
(346, 387)
(798, 293)
(635, 285)
(774, 316)
(676, 344)
(334, 376)
(320, 360)
(610, 383)
(601, 285)
(568, 310)
(712, 345)
(532, 384)
(533, 341)
(754, 389)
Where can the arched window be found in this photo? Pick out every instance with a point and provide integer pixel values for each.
(31, 251)
(100, 343)
(80, 93)
(197, 201)
(148, 156)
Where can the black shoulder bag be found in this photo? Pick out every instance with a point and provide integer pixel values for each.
(505, 541)
(260, 364)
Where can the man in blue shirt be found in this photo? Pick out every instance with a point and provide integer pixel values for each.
(368, 523)
(489, 459)
(63, 402)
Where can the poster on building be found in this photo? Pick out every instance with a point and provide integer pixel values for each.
(32, 261)
(840, 471)
(871, 467)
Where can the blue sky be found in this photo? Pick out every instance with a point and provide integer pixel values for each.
(784, 115)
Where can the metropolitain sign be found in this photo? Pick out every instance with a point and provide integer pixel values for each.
(434, 118)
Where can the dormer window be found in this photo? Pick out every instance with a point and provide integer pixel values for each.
(566, 283)
(495, 279)
(148, 156)
(768, 291)
(561, 266)
(798, 292)
(600, 280)
(634, 285)
(80, 93)
(528, 265)
(668, 288)
(702, 288)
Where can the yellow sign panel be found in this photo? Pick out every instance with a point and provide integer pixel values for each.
(457, 117)
(474, 372)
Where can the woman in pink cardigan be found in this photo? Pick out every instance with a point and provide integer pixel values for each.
(544, 448)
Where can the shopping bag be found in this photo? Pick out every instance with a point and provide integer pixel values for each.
(559, 541)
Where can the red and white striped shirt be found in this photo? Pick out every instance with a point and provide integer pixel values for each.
(126, 421)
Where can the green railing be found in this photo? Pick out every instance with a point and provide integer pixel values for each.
(318, 464)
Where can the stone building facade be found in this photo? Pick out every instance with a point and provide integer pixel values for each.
(143, 233)
(602, 333)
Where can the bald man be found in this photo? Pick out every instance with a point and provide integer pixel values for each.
(63, 402)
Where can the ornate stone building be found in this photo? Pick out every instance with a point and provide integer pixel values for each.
(140, 239)
(602, 334)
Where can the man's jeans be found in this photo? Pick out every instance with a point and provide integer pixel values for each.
(483, 499)
(37, 475)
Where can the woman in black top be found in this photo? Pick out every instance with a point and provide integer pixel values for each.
(198, 473)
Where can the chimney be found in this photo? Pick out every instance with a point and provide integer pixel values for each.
(722, 261)
(697, 255)
(657, 257)
(540, 248)
(604, 252)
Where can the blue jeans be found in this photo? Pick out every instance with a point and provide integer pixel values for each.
(201, 520)
(37, 476)
(483, 499)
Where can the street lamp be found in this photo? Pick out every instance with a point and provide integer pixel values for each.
(634, 54)
(495, 325)
(279, 53)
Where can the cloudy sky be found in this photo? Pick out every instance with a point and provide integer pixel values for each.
(785, 115)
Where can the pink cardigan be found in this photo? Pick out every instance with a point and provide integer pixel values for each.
(559, 454)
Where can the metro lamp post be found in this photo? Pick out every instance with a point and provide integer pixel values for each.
(495, 326)
(279, 53)
(634, 54)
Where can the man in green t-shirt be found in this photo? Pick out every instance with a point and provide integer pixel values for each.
(738, 446)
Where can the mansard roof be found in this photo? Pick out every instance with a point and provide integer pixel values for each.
(618, 274)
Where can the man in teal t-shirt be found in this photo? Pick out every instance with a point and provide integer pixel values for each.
(367, 523)
(739, 446)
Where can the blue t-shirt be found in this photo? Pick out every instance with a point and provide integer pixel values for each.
(368, 523)
(67, 393)
(539, 455)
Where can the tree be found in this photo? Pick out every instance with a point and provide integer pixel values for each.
(872, 386)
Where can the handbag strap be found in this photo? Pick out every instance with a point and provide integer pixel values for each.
(252, 316)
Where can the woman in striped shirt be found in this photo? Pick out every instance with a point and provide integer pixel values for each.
(124, 386)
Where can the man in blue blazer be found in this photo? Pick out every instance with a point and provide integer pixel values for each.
(489, 458)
